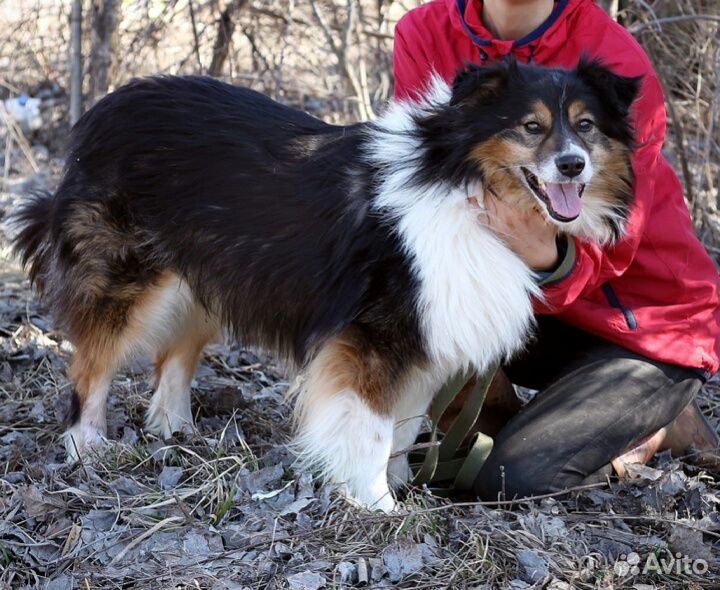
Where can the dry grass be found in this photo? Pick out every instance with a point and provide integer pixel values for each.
(223, 507)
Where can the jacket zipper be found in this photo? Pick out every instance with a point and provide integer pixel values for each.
(615, 302)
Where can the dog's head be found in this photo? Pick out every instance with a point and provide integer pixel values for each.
(553, 138)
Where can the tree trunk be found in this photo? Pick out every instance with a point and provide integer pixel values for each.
(225, 29)
(105, 21)
(613, 7)
(75, 61)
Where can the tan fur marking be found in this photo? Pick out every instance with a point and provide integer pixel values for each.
(170, 407)
(191, 341)
(576, 109)
(494, 157)
(93, 236)
(497, 156)
(99, 350)
(542, 114)
(341, 365)
(612, 171)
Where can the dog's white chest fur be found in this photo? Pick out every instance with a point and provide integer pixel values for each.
(475, 294)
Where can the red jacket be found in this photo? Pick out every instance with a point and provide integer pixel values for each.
(656, 291)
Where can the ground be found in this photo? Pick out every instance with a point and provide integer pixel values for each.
(223, 508)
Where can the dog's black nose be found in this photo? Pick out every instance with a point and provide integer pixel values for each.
(570, 165)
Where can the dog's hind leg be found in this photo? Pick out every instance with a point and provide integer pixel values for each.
(343, 431)
(91, 371)
(122, 324)
(169, 409)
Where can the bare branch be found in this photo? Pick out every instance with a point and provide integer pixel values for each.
(76, 62)
(225, 30)
(657, 23)
(196, 37)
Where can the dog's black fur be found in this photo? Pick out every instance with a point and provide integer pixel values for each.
(261, 207)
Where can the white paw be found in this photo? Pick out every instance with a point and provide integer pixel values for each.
(385, 503)
(373, 497)
(80, 442)
(163, 422)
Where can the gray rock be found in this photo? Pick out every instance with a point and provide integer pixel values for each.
(402, 558)
(533, 568)
(169, 477)
(63, 582)
(346, 572)
(306, 581)
(256, 481)
(99, 520)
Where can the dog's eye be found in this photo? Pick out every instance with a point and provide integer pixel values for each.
(533, 127)
(584, 125)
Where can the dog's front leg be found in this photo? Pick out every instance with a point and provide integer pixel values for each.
(343, 438)
(340, 431)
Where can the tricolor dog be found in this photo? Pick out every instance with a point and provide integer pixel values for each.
(358, 254)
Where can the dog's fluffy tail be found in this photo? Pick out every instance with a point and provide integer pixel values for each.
(32, 241)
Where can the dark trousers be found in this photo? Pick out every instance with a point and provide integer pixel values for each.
(595, 400)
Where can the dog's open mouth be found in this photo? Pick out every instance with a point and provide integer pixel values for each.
(561, 199)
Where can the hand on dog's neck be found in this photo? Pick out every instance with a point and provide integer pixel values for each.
(513, 19)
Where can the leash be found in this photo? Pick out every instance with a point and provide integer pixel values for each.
(451, 466)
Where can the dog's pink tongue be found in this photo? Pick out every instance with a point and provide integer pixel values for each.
(564, 199)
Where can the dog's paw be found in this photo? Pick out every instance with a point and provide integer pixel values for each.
(163, 422)
(386, 504)
(82, 443)
(370, 500)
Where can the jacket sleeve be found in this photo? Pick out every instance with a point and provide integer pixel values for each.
(592, 265)
(410, 66)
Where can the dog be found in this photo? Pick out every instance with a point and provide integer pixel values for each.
(356, 253)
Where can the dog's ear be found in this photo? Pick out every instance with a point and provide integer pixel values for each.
(621, 90)
(473, 83)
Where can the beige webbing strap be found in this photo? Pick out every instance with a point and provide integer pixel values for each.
(480, 448)
(440, 462)
(465, 420)
(447, 470)
(440, 403)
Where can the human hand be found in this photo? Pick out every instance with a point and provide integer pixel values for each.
(525, 230)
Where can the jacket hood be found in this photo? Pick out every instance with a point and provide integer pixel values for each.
(545, 39)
